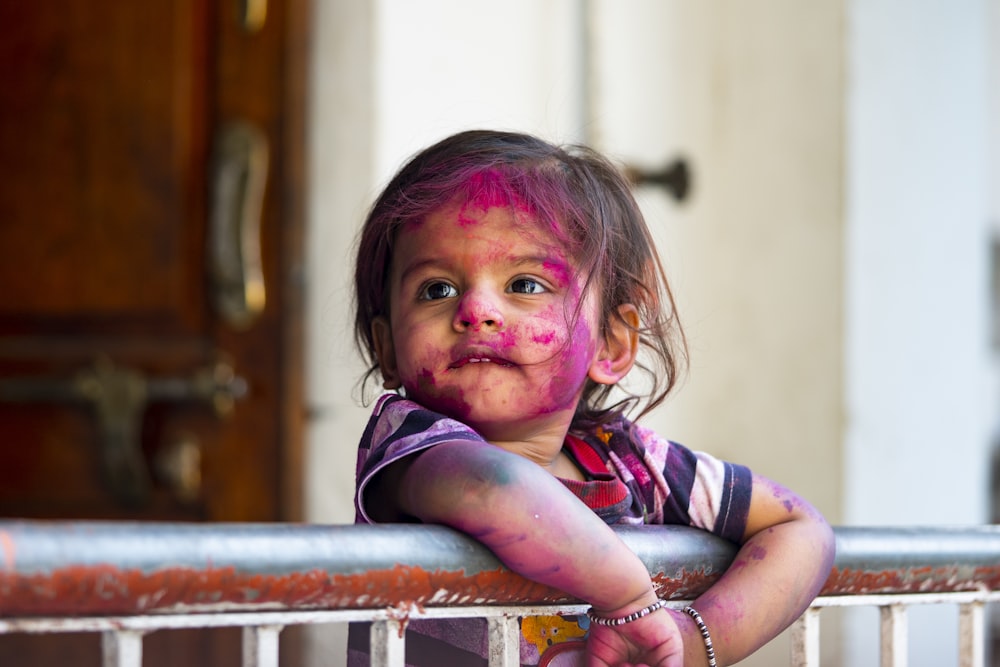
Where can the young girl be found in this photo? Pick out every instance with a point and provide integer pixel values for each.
(504, 287)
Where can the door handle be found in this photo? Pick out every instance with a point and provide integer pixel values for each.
(674, 178)
(118, 397)
(253, 14)
(240, 164)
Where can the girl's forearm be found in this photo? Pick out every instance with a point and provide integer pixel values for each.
(533, 524)
(775, 576)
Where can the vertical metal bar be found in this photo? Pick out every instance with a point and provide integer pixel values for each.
(894, 635)
(260, 645)
(971, 635)
(388, 647)
(505, 641)
(805, 639)
(121, 648)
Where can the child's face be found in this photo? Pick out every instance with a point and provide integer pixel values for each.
(485, 322)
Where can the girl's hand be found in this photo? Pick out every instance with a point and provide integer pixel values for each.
(651, 641)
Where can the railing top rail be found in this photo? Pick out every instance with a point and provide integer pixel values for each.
(110, 568)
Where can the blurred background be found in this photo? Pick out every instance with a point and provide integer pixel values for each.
(833, 261)
(183, 183)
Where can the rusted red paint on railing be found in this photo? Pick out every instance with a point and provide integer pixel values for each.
(944, 579)
(106, 590)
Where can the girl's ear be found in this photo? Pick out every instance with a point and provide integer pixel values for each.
(386, 353)
(617, 353)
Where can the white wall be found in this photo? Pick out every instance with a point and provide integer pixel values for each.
(444, 66)
(341, 158)
(917, 333)
(917, 363)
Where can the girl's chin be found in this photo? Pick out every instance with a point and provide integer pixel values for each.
(490, 413)
(480, 415)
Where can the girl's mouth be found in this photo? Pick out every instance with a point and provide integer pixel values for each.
(479, 359)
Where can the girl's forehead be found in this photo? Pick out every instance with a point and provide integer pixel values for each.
(478, 216)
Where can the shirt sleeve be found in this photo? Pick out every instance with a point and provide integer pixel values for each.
(708, 493)
(399, 428)
(686, 487)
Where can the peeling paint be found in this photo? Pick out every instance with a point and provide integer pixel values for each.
(944, 579)
(106, 590)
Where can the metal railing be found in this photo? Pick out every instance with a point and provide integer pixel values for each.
(127, 579)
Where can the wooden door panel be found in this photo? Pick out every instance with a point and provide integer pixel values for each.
(102, 142)
(110, 119)
(109, 123)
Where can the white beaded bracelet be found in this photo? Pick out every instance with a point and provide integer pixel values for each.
(622, 620)
(703, 629)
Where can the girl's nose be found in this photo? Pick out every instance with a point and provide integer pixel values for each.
(476, 310)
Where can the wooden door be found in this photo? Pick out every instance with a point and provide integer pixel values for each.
(150, 272)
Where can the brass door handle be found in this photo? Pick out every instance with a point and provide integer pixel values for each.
(253, 14)
(240, 165)
(118, 397)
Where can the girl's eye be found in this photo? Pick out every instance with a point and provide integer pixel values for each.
(526, 286)
(435, 291)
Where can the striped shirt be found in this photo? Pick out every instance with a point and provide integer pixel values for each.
(633, 476)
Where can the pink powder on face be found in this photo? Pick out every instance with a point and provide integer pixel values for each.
(544, 331)
(560, 272)
(453, 406)
(544, 338)
(425, 379)
(570, 377)
(449, 403)
(466, 220)
(580, 348)
(508, 338)
(549, 350)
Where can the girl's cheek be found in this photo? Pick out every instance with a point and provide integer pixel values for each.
(544, 338)
(415, 359)
(510, 337)
(581, 347)
(536, 333)
(549, 328)
(541, 339)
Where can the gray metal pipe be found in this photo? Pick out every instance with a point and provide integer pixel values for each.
(119, 568)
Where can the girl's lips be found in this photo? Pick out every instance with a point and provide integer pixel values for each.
(477, 358)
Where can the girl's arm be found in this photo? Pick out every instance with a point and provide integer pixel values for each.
(785, 559)
(540, 530)
(523, 514)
